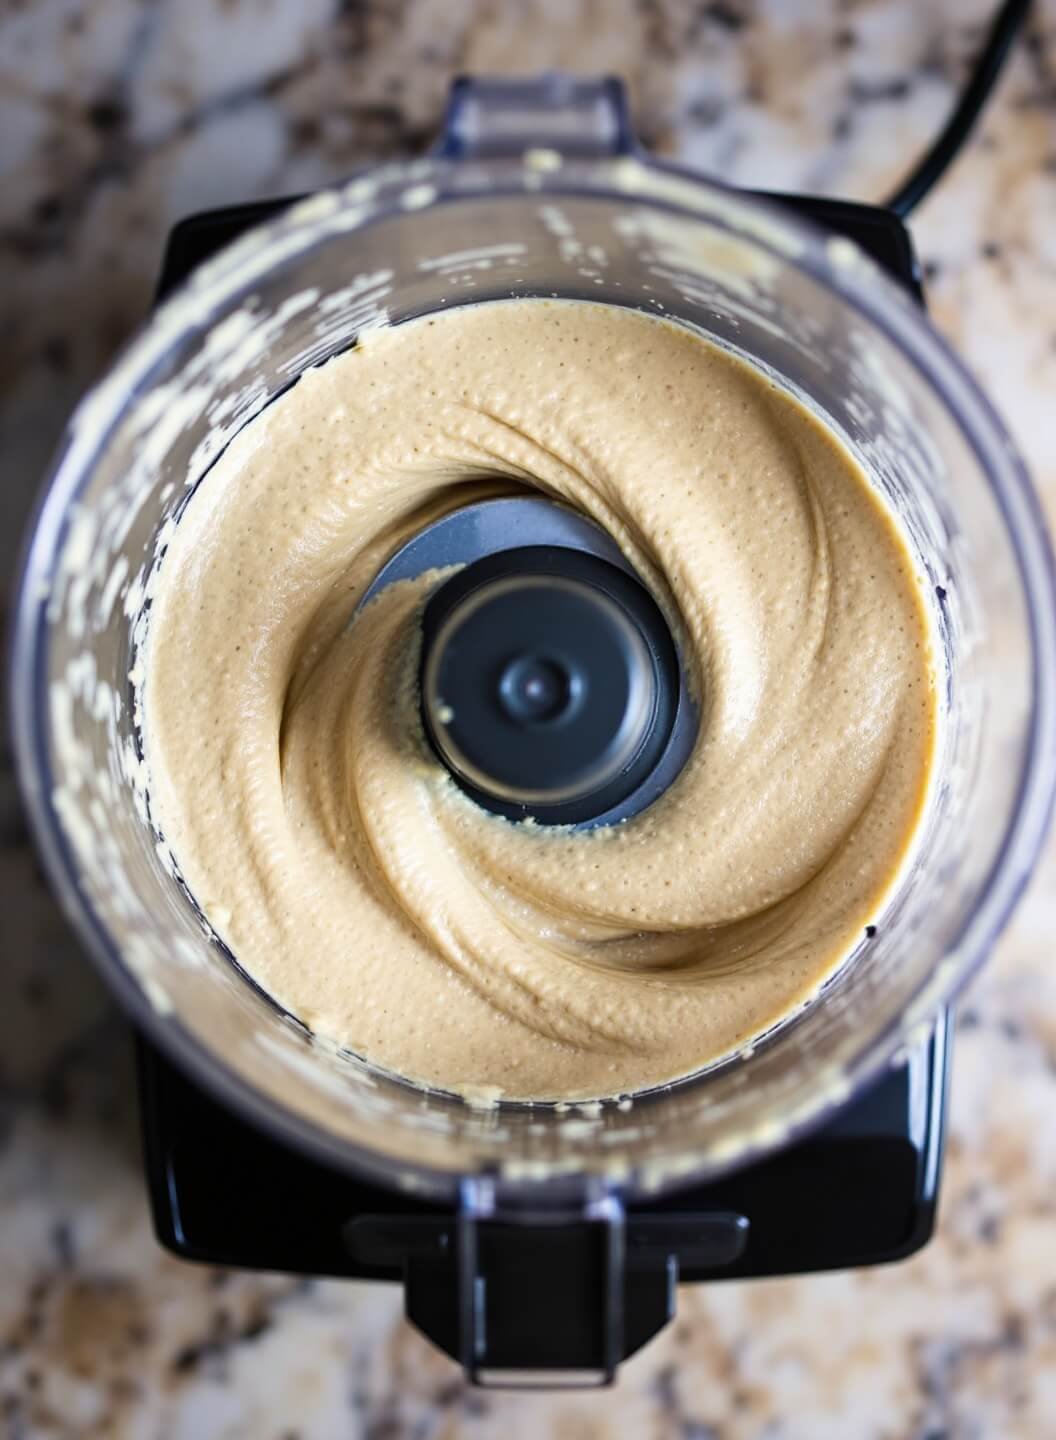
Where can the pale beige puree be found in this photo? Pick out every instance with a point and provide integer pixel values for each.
(333, 853)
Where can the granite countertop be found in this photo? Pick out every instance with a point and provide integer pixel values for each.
(116, 118)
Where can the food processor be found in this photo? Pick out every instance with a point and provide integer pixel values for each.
(539, 1243)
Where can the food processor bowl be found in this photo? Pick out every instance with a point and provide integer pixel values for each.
(536, 190)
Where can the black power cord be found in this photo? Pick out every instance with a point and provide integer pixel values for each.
(957, 129)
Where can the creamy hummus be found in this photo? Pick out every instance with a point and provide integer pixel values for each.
(332, 852)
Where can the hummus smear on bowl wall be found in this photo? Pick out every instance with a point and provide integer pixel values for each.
(332, 851)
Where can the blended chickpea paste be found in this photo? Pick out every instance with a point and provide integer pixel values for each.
(333, 853)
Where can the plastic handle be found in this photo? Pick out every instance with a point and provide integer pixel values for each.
(515, 1268)
(496, 116)
(527, 1291)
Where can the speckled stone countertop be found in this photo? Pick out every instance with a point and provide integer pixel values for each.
(116, 118)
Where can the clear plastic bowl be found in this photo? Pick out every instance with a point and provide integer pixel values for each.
(460, 227)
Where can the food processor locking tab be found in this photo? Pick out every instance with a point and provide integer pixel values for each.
(577, 115)
(482, 1284)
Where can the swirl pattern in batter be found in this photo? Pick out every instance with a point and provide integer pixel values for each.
(331, 850)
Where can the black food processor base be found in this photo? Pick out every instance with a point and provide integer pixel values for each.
(860, 1191)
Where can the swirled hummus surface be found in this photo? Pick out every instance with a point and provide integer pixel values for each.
(332, 852)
